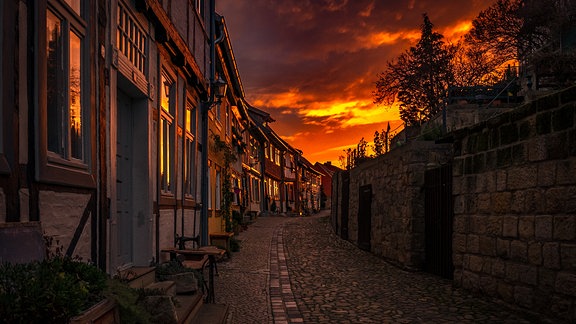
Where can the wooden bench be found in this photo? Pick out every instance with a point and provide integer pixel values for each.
(222, 239)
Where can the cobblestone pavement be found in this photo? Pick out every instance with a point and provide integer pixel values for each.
(295, 270)
(243, 280)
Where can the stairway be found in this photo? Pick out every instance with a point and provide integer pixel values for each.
(190, 308)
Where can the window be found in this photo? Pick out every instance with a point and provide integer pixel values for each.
(167, 112)
(66, 92)
(189, 163)
(290, 193)
(218, 112)
(277, 156)
(209, 176)
(270, 188)
(255, 190)
(236, 190)
(254, 149)
(200, 7)
(218, 201)
(130, 39)
(276, 190)
(228, 120)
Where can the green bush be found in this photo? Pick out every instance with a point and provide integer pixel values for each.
(128, 301)
(50, 291)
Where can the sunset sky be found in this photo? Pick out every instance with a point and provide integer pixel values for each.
(313, 64)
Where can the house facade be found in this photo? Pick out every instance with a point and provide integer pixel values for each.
(309, 190)
(112, 131)
(327, 170)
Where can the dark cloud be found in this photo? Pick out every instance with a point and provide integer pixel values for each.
(300, 55)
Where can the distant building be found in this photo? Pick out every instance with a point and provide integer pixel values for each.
(327, 170)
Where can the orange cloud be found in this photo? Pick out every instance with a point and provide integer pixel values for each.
(458, 30)
(388, 38)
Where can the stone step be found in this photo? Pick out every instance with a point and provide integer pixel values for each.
(187, 307)
(212, 314)
(167, 287)
(139, 277)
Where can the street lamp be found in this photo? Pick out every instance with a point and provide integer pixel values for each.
(219, 87)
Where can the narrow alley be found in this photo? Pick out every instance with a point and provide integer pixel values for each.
(295, 270)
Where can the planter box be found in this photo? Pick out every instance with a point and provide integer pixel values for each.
(105, 312)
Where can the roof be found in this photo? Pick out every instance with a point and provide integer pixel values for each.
(327, 168)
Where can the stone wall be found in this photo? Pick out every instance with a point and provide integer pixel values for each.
(397, 180)
(515, 206)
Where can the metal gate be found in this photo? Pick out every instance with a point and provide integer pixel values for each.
(438, 221)
(365, 217)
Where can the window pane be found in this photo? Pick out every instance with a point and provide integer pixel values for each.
(54, 75)
(188, 121)
(166, 90)
(75, 97)
(189, 165)
(162, 163)
(165, 162)
(218, 190)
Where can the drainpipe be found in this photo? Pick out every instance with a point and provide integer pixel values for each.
(205, 107)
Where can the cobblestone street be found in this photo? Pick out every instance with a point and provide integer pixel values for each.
(295, 270)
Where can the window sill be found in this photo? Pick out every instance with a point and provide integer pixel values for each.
(167, 199)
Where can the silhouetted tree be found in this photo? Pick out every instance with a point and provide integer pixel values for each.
(381, 141)
(418, 78)
(530, 31)
(361, 151)
(473, 65)
(378, 143)
(495, 31)
(353, 157)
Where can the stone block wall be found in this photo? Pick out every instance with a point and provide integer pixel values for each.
(515, 206)
(397, 180)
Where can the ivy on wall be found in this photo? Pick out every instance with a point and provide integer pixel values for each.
(230, 157)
